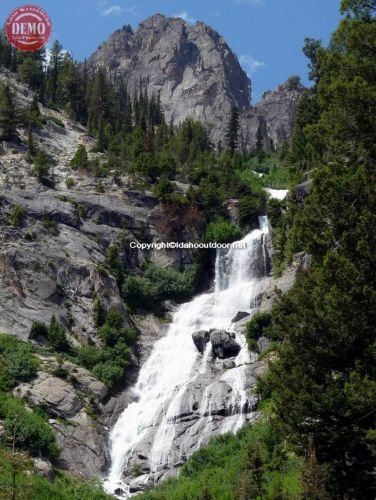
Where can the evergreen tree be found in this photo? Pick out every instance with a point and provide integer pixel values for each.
(324, 382)
(53, 72)
(80, 158)
(34, 114)
(30, 67)
(41, 164)
(232, 133)
(8, 115)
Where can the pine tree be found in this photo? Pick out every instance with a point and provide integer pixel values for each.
(8, 115)
(314, 477)
(34, 114)
(53, 72)
(41, 164)
(80, 158)
(232, 133)
(259, 139)
(31, 147)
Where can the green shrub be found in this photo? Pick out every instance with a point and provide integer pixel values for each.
(222, 231)
(41, 164)
(56, 120)
(89, 355)
(16, 216)
(26, 429)
(164, 189)
(21, 364)
(18, 362)
(69, 182)
(158, 284)
(19, 482)
(249, 209)
(274, 212)
(293, 82)
(258, 326)
(80, 158)
(38, 329)
(99, 187)
(51, 225)
(57, 337)
(109, 373)
(99, 313)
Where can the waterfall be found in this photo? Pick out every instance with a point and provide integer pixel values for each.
(179, 400)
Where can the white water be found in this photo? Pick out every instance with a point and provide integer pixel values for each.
(278, 194)
(175, 361)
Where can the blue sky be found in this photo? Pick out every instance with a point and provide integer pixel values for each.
(267, 35)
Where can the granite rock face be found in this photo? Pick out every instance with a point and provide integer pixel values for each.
(190, 67)
(195, 74)
(275, 114)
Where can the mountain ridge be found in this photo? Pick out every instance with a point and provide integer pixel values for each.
(195, 74)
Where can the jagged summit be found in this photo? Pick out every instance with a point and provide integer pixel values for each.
(191, 67)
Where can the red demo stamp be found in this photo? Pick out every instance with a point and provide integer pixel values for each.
(28, 28)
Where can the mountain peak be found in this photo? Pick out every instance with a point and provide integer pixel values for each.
(190, 67)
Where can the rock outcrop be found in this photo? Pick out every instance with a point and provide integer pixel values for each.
(195, 74)
(275, 115)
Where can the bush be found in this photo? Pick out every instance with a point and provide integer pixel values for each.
(41, 164)
(18, 362)
(258, 326)
(222, 231)
(17, 481)
(16, 216)
(294, 82)
(164, 189)
(57, 337)
(27, 429)
(80, 158)
(56, 120)
(69, 182)
(39, 331)
(21, 364)
(250, 207)
(158, 284)
(109, 363)
(89, 355)
(109, 373)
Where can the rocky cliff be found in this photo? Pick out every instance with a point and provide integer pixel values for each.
(275, 116)
(197, 75)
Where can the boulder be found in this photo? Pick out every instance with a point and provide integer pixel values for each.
(223, 344)
(43, 468)
(228, 364)
(56, 396)
(239, 316)
(262, 344)
(200, 339)
(85, 381)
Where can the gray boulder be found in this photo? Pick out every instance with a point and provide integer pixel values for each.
(43, 468)
(51, 393)
(223, 344)
(200, 339)
(239, 316)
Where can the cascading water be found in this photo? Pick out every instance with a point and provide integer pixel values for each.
(183, 397)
